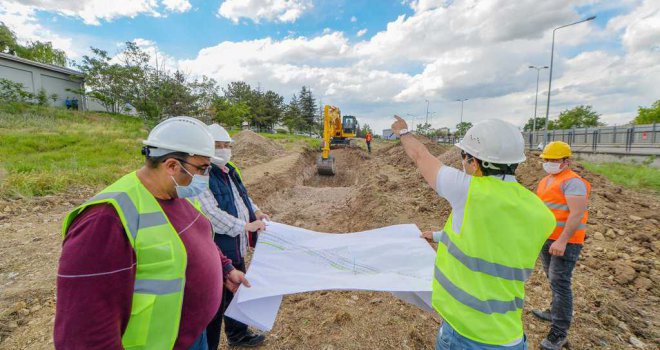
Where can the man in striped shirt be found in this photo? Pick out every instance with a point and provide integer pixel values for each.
(236, 221)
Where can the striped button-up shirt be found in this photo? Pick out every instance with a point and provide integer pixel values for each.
(225, 223)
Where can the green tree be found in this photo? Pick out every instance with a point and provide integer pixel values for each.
(42, 97)
(462, 128)
(272, 109)
(577, 117)
(291, 117)
(7, 39)
(43, 52)
(106, 82)
(11, 91)
(423, 129)
(648, 115)
(540, 124)
(39, 51)
(228, 113)
(307, 108)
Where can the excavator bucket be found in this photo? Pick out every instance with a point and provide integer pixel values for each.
(326, 166)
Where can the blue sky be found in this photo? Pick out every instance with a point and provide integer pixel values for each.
(412, 51)
(182, 35)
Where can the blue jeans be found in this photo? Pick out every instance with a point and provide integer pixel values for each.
(559, 270)
(200, 343)
(449, 339)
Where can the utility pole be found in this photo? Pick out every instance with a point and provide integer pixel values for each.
(536, 99)
(552, 52)
(427, 111)
(461, 100)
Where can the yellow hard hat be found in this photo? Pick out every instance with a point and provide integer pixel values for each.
(556, 150)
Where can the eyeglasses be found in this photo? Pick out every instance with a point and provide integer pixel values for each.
(205, 170)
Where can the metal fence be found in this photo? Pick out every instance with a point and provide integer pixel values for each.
(624, 139)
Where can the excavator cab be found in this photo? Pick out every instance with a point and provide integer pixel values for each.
(349, 124)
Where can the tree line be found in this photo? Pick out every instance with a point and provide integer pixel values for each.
(133, 78)
(38, 51)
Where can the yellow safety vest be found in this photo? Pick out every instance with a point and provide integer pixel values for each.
(480, 273)
(161, 263)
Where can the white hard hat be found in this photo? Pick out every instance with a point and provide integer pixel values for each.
(181, 134)
(219, 133)
(494, 141)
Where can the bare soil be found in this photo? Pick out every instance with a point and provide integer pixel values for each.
(615, 282)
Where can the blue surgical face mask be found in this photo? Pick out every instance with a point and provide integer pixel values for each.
(197, 186)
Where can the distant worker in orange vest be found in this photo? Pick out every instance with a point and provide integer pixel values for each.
(566, 195)
(368, 137)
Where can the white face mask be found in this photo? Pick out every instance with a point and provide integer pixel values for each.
(223, 155)
(552, 168)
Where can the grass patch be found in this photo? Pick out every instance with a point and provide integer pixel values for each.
(287, 139)
(46, 150)
(636, 176)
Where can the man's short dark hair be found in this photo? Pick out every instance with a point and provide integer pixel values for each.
(502, 169)
(153, 162)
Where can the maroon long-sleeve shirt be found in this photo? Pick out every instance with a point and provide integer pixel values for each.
(97, 273)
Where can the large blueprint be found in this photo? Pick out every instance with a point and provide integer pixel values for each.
(290, 260)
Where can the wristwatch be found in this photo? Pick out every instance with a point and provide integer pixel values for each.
(403, 132)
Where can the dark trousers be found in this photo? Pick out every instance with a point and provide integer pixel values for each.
(369, 146)
(234, 330)
(559, 270)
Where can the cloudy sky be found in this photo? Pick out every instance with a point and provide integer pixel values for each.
(377, 58)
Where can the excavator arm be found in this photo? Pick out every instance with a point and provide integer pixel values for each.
(325, 164)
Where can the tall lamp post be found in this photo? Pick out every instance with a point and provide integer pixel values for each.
(552, 52)
(536, 99)
(413, 121)
(461, 100)
(427, 111)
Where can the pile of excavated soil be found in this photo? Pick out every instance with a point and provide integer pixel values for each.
(250, 148)
(616, 293)
(616, 281)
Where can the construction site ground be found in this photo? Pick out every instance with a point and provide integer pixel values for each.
(616, 282)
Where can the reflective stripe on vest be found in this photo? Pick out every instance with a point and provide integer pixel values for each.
(563, 224)
(158, 287)
(134, 221)
(485, 306)
(161, 263)
(480, 272)
(480, 265)
(553, 197)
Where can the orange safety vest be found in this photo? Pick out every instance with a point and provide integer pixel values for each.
(368, 137)
(554, 198)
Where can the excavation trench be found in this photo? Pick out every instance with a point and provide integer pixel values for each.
(306, 199)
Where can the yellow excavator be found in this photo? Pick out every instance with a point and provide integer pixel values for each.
(336, 131)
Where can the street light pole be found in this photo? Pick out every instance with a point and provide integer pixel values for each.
(413, 121)
(552, 52)
(461, 100)
(427, 111)
(536, 99)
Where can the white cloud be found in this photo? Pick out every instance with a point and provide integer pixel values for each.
(361, 32)
(353, 19)
(446, 50)
(468, 49)
(94, 11)
(177, 5)
(269, 10)
(23, 21)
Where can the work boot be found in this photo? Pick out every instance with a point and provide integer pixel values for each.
(543, 314)
(250, 340)
(554, 341)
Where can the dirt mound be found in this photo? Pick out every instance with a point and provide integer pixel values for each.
(616, 281)
(250, 148)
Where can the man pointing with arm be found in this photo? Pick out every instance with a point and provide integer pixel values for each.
(491, 240)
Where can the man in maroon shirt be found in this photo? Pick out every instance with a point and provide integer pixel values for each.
(97, 272)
